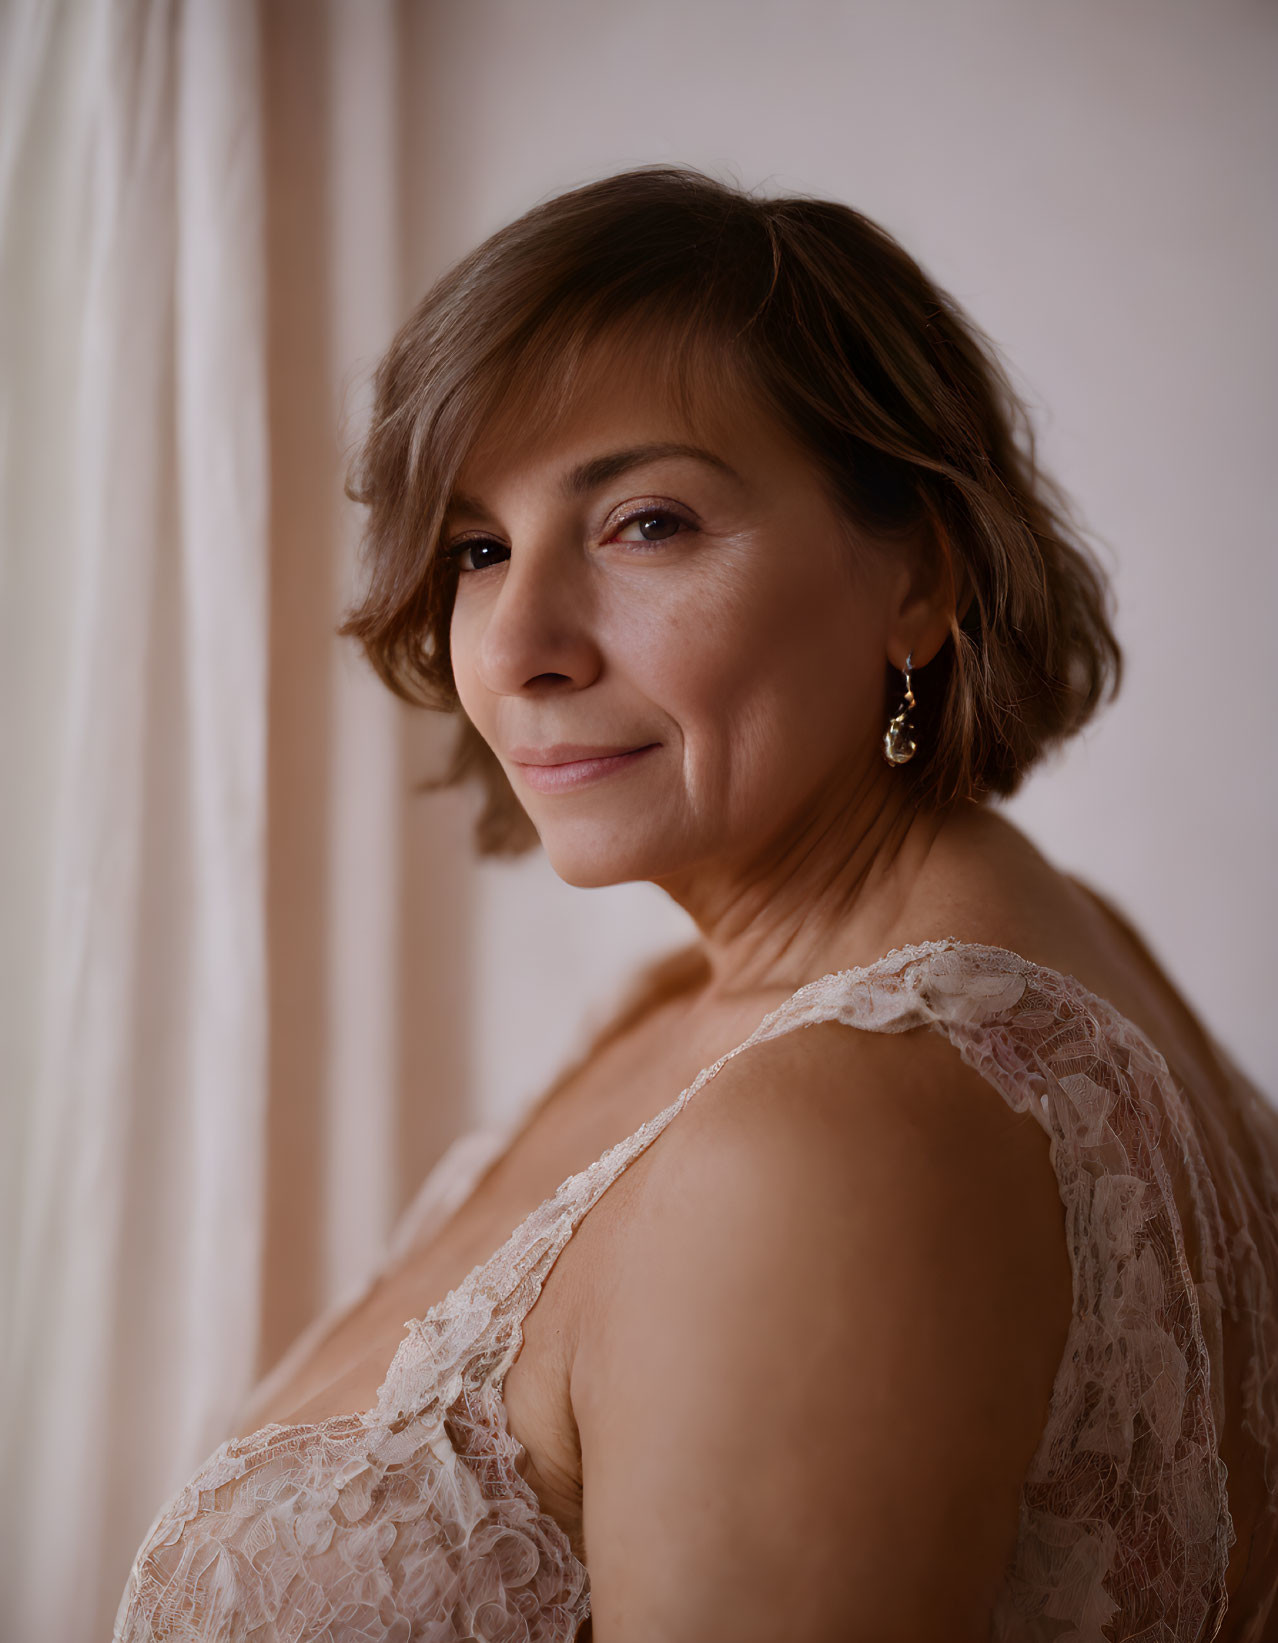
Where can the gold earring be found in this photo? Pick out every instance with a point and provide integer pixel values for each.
(899, 746)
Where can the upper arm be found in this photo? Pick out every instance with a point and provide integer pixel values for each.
(822, 1357)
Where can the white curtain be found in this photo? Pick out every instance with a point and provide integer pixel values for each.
(235, 944)
(134, 597)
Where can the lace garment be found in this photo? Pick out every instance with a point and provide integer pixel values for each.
(410, 1523)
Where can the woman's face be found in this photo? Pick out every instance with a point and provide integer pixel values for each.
(683, 604)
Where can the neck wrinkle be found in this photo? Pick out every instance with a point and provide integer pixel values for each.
(805, 903)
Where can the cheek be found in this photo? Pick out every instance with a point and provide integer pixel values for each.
(776, 679)
(689, 645)
(793, 625)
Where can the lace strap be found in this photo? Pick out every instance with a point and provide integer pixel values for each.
(538, 1242)
(480, 1329)
(843, 995)
(474, 1334)
(1124, 1508)
(881, 997)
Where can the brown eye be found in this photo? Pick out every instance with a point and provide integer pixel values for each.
(477, 547)
(652, 525)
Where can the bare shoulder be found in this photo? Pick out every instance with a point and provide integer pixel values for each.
(885, 1121)
(824, 1354)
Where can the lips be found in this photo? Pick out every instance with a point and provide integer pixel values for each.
(571, 752)
(571, 764)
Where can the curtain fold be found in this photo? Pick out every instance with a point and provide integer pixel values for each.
(135, 627)
(236, 945)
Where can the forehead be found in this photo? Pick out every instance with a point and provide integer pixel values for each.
(585, 416)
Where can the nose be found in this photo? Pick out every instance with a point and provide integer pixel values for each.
(537, 631)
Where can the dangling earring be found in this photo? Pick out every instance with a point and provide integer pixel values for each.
(899, 746)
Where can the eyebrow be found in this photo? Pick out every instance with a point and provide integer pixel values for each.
(598, 470)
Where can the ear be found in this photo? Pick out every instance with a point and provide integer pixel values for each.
(935, 592)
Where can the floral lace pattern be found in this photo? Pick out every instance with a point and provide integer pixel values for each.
(411, 1523)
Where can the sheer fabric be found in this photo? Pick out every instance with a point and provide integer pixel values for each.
(411, 1521)
(134, 693)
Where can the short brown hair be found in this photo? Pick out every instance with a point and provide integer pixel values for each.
(900, 400)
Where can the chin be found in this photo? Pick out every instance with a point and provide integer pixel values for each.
(594, 869)
(593, 855)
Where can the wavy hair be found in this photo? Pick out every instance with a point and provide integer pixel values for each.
(899, 399)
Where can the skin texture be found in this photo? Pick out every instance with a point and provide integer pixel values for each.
(812, 1394)
(792, 1467)
(753, 646)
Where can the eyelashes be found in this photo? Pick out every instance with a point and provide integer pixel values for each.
(455, 551)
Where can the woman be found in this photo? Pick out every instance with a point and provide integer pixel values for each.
(720, 529)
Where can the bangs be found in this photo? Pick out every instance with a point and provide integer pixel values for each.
(696, 367)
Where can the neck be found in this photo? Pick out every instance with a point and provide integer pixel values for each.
(825, 893)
